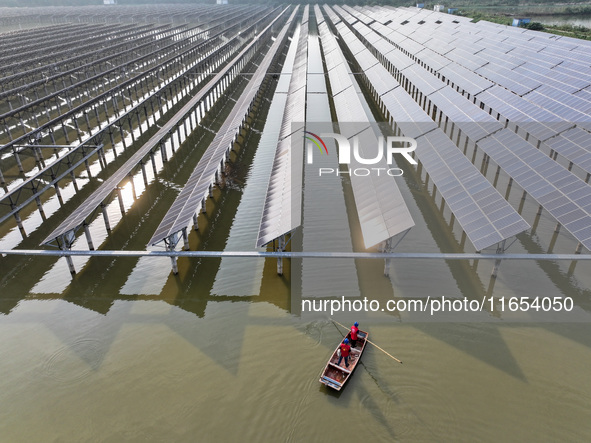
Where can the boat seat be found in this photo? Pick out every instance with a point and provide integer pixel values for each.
(331, 380)
(348, 371)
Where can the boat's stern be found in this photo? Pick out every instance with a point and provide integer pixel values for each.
(331, 383)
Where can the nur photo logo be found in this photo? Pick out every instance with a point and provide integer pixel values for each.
(365, 156)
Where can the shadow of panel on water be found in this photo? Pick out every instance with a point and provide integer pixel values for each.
(491, 349)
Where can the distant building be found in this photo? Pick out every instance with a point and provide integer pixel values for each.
(420, 5)
(221, 2)
(452, 10)
(521, 21)
(109, 2)
(439, 8)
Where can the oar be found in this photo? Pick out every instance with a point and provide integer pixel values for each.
(389, 355)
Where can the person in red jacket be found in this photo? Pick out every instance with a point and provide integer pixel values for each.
(354, 331)
(345, 350)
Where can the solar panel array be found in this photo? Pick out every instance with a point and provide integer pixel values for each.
(196, 190)
(541, 94)
(560, 60)
(473, 121)
(380, 206)
(282, 212)
(514, 93)
(519, 60)
(574, 145)
(539, 122)
(469, 195)
(485, 216)
(566, 197)
(77, 218)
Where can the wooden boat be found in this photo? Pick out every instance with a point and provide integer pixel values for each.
(335, 376)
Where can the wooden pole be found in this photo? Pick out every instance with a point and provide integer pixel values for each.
(389, 355)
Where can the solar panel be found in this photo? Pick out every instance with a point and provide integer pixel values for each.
(472, 120)
(539, 122)
(318, 14)
(501, 52)
(422, 35)
(575, 146)
(465, 79)
(529, 49)
(563, 52)
(361, 28)
(442, 159)
(433, 60)
(563, 195)
(577, 67)
(584, 76)
(332, 57)
(564, 83)
(356, 46)
(380, 28)
(366, 60)
(399, 60)
(492, 54)
(467, 59)
(578, 103)
(393, 36)
(411, 46)
(422, 79)
(384, 47)
(585, 93)
(332, 15)
(518, 84)
(407, 114)
(562, 108)
(483, 213)
(372, 37)
(442, 48)
(380, 79)
(435, 152)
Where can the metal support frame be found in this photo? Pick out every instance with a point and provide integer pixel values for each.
(88, 237)
(65, 243)
(171, 243)
(388, 247)
(39, 183)
(501, 249)
(106, 217)
(280, 248)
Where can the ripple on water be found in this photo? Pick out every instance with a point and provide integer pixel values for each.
(315, 331)
(384, 410)
(75, 362)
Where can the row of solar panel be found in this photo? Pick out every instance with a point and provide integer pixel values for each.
(481, 211)
(78, 217)
(573, 212)
(197, 188)
(510, 63)
(519, 110)
(282, 209)
(380, 206)
(468, 40)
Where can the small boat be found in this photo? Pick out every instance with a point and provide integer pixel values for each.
(335, 376)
